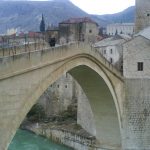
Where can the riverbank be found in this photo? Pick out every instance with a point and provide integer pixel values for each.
(25, 140)
(71, 135)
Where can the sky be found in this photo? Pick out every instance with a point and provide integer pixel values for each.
(103, 6)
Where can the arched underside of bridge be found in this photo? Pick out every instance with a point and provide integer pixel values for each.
(102, 105)
(103, 89)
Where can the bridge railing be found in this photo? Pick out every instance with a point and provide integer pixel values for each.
(103, 60)
(13, 46)
(112, 66)
(47, 55)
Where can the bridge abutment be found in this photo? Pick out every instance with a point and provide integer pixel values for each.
(136, 118)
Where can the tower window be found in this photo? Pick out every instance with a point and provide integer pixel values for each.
(148, 15)
(140, 66)
(90, 31)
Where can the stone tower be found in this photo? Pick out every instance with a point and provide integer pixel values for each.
(142, 15)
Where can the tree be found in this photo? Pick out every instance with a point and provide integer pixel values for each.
(42, 24)
(36, 113)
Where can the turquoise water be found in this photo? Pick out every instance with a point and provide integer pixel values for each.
(25, 140)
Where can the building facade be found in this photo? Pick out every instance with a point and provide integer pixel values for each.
(112, 49)
(137, 48)
(142, 15)
(120, 28)
(136, 71)
(52, 32)
(78, 29)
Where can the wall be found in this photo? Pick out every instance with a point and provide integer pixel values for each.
(59, 95)
(69, 138)
(85, 31)
(136, 135)
(68, 33)
(91, 32)
(142, 15)
(112, 51)
(136, 50)
(23, 48)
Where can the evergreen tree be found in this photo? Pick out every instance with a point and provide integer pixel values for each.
(42, 24)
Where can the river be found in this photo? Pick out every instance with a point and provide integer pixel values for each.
(25, 140)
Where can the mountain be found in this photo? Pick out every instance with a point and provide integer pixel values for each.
(127, 16)
(27, 15)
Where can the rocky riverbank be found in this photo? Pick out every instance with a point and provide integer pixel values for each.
(71, 135)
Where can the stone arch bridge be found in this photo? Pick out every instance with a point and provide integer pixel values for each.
(24, 77)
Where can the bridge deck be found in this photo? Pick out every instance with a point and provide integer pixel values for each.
(9, 65)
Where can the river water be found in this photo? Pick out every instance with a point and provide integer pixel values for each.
(25, 140)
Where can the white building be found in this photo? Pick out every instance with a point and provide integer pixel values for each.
(11, 31)
(120, 28)
(112, 49)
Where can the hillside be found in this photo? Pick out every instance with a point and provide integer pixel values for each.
(127, 16)
(26, 15)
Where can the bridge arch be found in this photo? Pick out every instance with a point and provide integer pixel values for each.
(107, 130)
(24, 78)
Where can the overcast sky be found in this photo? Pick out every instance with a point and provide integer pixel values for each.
(103, 6)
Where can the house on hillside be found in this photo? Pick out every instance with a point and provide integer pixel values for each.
(112, 49)
(78, 29)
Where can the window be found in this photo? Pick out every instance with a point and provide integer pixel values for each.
(148, 15)
(104, 51)
(66, 86)
(111, 51)
(58, 86)
(111, 60)
(140, 66)
(90, 31)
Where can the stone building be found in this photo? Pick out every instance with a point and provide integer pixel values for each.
(137, 55)
(120, 28)
(63, 93)
(112, 49)
(142, 14)
(136, 71)
(52, 32)
(59, 95)
(78, 29)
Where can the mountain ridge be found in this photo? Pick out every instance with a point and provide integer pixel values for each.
(26, 15)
